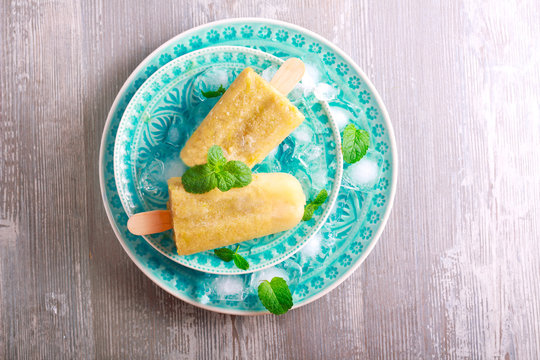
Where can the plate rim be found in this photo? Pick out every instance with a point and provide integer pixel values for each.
(312, 229)
(369, 84)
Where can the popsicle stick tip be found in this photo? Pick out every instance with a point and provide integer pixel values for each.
(288, 75)
(150, 222)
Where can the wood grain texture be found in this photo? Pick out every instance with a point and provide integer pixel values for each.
(455, 274)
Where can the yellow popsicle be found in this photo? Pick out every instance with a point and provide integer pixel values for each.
(269, 204)
(249, 120)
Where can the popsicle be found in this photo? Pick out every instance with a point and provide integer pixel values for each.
(269, 204)
(251, 118)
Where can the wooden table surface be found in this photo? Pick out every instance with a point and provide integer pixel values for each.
(454, 275)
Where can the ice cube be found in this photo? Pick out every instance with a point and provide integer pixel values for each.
(228, 287)
(210, 80)
(221, 287)
(173, 167)
(164, 163)
(340, 116)
(313, 247)
(312, 76)
(268, 73)
(317, 249)
(303, 134)
(288, 270)
(199, 112)
(364, 174)
(325, 92)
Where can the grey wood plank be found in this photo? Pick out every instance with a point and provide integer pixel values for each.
(456, 273)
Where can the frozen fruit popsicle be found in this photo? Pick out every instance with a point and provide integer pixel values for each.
(270, 204)
(251, 118)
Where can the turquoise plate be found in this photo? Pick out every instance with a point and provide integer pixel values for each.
(166, 110)
(355, 221)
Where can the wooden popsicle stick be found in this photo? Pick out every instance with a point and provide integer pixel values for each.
(288, 75)
(150, 222)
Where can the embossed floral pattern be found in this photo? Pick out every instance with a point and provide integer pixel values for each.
(354, 82)
(246, 31)
(264, 32)
(329, 58)
(229, 33)
(298, 40)
(383, 184)
(150, 70)
(282, 35)
(180, 50)
(195, 42)
(164, 58)
(364, 96)
(331, 272)
(315, 48)
(382, 147)
(317, 282)
(357, 248)
(379, 200)
(212, 36)
(342, 69)
(372, 217)
(377, 130)
(371, 113)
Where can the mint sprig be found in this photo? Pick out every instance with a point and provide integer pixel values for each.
(212, 94)
(227, 255)
(310, 208)
(275, 295)
(217, 172)
(355, 144)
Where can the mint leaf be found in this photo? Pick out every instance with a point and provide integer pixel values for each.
(308, 212)
(225, 181)
(240, 171)
(227, 255)
(275, 295)
(355, 144)
(224, 254)
(240, 262)
(212, 94)
(314, 204)
(199, 179)
(217, 172)
(215, 157)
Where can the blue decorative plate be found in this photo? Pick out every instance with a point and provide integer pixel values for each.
(166, 110)
(355, 221)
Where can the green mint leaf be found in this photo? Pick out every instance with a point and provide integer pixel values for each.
(320, 198)
(199, 179)
(224, 254)
(355, 144)
(275, 295)
(310, 208)
(240, 171)
(225, 181)
(215, 157)
(308, 212)
(240, 262)
(213, 94)
(218, 172)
